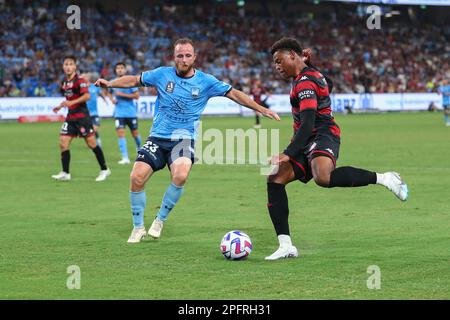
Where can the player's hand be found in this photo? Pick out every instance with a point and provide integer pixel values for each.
(56, 109)
(278, 159)
(270, 114)
(307, 54)
(102, 83)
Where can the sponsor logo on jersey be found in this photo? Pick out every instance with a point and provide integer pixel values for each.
(170, 87)
(306, 94)
(195, 92)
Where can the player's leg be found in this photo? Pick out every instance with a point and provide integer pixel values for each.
(139, 176)
(92, 144)
(151, 157)
(96, 125)
(279, 210)
(120, 129)
(257, 120)
(180, 163)
(326, 175)
(133, 125)
(64, 145)
(446, 114)
(179, 169)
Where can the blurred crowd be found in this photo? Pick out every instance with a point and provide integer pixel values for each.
(232, 44)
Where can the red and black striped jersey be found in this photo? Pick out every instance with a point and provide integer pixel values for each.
(310, 91)
(73, 89)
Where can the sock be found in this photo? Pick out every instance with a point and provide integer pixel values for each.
(257, 119)
(138, 201)
(100, 157)
(278, 207)
(171, 197)
(99, 141)
(284, 240)
(446, 118)
(65, 159)
(123, 147)
(138, 141)
(351, 177)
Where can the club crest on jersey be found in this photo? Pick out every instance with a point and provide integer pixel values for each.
(170, 87)
(195, 92)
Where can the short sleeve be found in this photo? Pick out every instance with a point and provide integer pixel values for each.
(217, 88)
(306, 94)
(83, 86)
(150, 77)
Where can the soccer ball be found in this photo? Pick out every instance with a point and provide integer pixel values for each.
(236, 245)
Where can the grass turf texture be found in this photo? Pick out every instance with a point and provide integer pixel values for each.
(48, 226)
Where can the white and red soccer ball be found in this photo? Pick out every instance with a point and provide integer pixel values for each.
(236, 245)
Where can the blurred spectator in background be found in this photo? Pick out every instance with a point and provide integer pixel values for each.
(400, 57)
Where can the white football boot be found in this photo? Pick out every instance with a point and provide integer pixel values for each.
(393, 182)
(156, 228)
(283, 252)
(62, 176)
(137, 234)
(124, 161)
(103, 175)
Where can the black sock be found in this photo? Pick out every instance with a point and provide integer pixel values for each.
(65, 159)
(96, 135)
(257, 119)
(278, 207)
(100, 157)
(351, 177)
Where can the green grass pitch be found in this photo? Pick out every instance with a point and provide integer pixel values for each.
(47, 226)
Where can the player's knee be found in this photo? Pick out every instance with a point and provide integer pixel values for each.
(322, 180)
(63, 145)
(137, 181)
(276, 178)
(180, 178)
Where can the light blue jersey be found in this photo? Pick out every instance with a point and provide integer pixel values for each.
(445, 91)
(92, 102)
(125, 107)
(180, 101)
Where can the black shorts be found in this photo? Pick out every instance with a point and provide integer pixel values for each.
(95, 120)
(77, 128)
(121, 123)
(158, 152)
(320, 145)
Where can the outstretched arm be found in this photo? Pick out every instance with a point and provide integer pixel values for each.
(122, 82)
(244, 100)
(66, 103)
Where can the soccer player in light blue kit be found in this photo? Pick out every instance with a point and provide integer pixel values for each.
(444, 89)
(125, 114)
(183, 92)
(94, 92)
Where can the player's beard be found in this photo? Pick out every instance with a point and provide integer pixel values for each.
(183, 70)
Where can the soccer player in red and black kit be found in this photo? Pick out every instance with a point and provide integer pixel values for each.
(257, 90)
(314, 149)
(78, 121)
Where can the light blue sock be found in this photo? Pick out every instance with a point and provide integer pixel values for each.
(138, 141)
(446, 118)
(138, 201)
(171, 197)
(123, 147)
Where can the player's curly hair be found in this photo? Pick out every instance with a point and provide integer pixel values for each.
(70, 57)
(288, 44)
